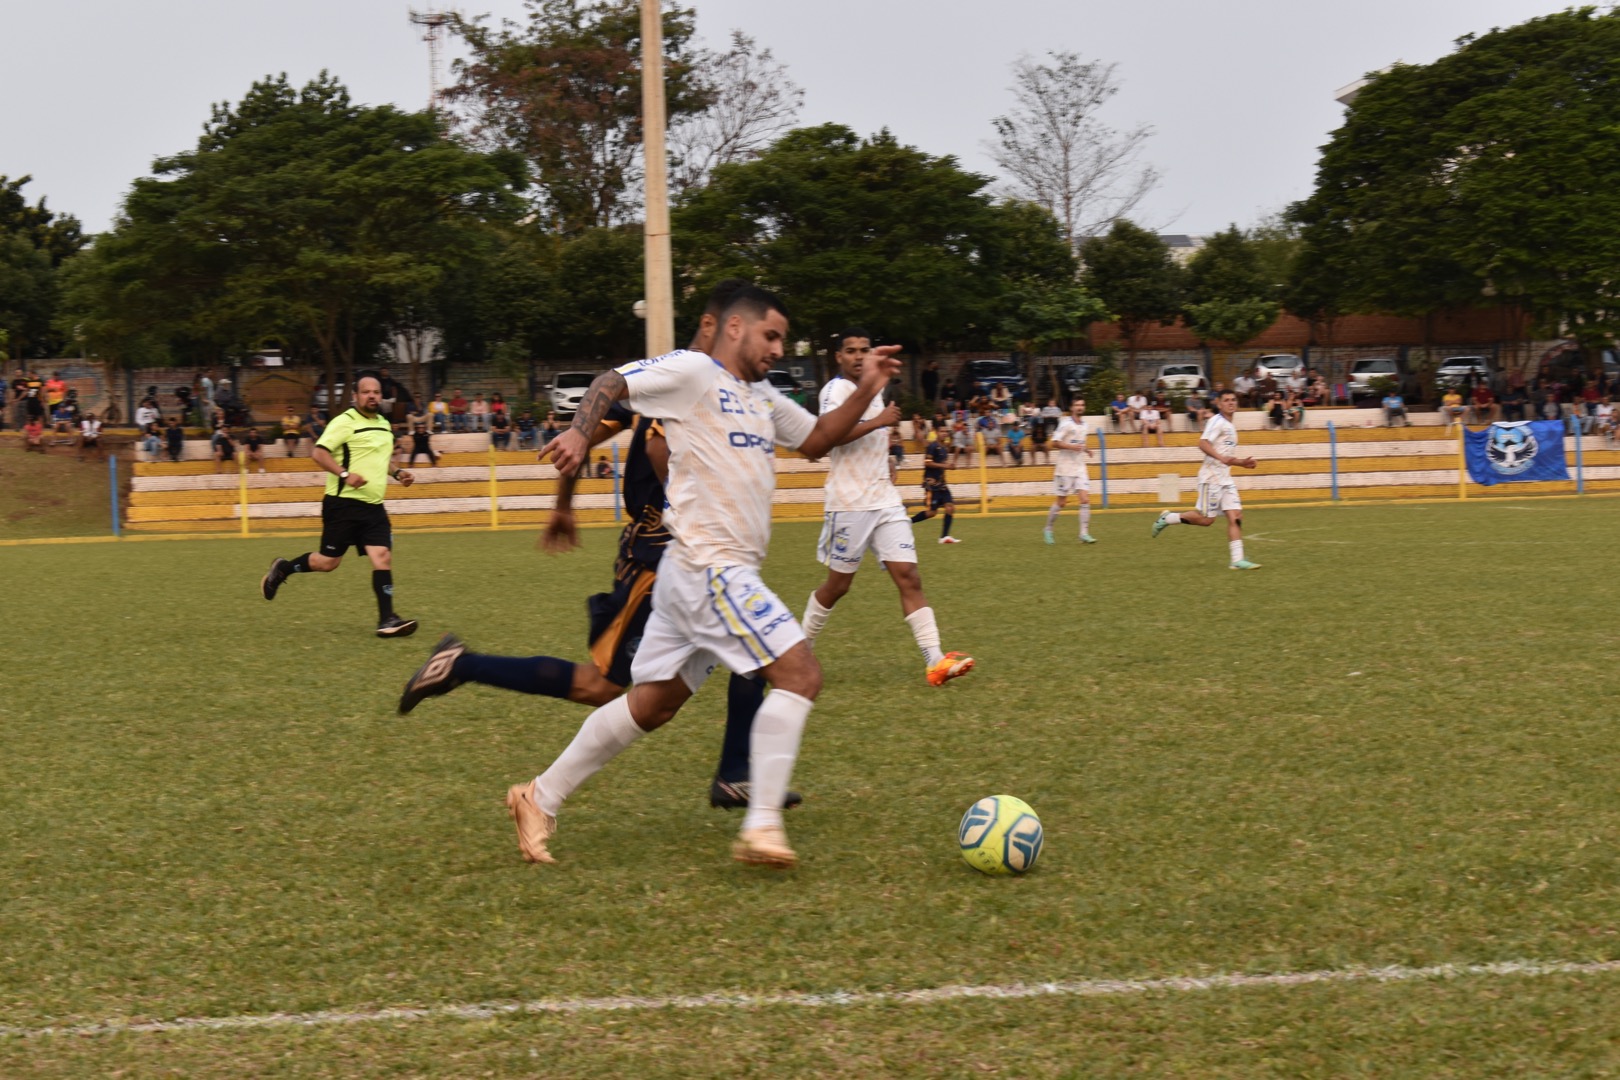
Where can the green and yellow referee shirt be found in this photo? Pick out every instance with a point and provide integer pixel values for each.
(361, 445)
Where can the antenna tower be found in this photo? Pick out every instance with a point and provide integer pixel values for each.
(432, 24)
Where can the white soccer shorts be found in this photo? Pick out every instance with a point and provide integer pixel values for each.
(1071, 485)
(1216, 499)
(701, 618)
(847, 535)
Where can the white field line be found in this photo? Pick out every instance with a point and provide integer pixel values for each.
(837, 999)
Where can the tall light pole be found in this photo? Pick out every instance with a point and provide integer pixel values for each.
(660, 285)
(432, 24)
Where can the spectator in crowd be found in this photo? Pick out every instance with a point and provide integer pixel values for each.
(526, 430)
(422, 446)
(1120, 412)
(1198, 411)
(1012, 438)
(497, 404)
(961, 444)
(1150, 420)
(986, 428)
(500, 430)
(478, 415)
(948, 391)
(1276, 410)
(1243, 387)
(1316, 390)
(1452, 409)
(439, 409)
(1040, 432)
(1265, 386)
(316, 425)
(291, 431)
(1295, 383)
(224, 449)
(146, 414)
(1395, 408)
(205, 396)
(1137, 402)
(55, 390)
(151, 441)
(549, 430)
(34, 435)
(174, 438)
(458, 412)
(1514, 403)
(1551, 407)
(1603, 421)
(1000, 397)
(604, 468)
(1485, 409)
(254, 442)
(930, 381)
(90, 437)
(897, 452)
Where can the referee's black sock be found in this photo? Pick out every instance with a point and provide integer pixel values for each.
(545, 675)
(919, 517)
(946, 531)
(382, 583)
(299, 565)
(743, 699)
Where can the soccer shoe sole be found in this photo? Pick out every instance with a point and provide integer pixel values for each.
(534, 826)
(1088, 539)
(726, 795)
(764, 847)
(403, 628)
(434, 677)
(954, 666)
(266, 585)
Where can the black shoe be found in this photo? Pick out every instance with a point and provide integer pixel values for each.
(394, 626)
(733, 795)
(434, 677)
(272, 580)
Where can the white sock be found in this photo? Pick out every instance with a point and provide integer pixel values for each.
(603, 734)
(1172, 518)
(1052, 515)
(815, 618)
(773, 746)
(1237, 550)
(924, 629)
(1085, 518)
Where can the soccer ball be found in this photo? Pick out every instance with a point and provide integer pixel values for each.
(1000, 835)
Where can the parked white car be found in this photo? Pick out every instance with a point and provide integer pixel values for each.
(1363, 372)
(1280, 366)
(1181, 377)
(567, 389)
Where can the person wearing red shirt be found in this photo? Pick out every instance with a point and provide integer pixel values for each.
(55, 390)
(1485, 407)
(458, 412)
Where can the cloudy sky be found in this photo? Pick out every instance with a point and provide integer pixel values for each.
(1240, 94)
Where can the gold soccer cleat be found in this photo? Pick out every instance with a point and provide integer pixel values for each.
(766, 846)
(534, 826)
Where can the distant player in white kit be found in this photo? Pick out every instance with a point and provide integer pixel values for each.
(864, 513)
(1069, 475)
(723, 422)
(1217, 494)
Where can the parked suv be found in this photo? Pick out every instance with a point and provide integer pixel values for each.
(1362, 373)
(1071, 379)
(1454, 371)
(979, 376)
(567, 389)
(1279, 366)
(1180, 377)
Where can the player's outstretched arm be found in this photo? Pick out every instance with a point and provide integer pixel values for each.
(832, 427)
(573, 446)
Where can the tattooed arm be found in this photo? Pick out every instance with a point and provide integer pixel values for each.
(573, 446)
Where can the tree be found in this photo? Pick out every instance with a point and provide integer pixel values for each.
(1130, 270)
(1484, 177)
(750, 102)
(1061, 155)
(866, 231)
(298, 217)
(564, 91)
(1228, 298)
(34, 244)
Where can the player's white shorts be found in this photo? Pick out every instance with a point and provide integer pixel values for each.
(701, 618)
(847, 535)
(1071, 485)
(1216, 499)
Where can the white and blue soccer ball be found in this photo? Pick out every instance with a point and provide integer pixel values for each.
(1000, 834)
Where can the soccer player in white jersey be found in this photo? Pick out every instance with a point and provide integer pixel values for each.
(1217, 494)
(723, 422)
(1069, 475)
(864, 513)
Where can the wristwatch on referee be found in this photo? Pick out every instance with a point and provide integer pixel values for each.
(344, 475)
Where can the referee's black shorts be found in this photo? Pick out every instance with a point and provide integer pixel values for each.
(347, 523)
(618, 620)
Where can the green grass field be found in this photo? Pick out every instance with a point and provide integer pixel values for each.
(1392, 746)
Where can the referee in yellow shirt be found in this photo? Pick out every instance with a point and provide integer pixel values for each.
(356, 449)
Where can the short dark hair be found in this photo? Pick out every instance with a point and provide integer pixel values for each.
(720, 296)
(1226, 393)
(753, 302)
(852, 331)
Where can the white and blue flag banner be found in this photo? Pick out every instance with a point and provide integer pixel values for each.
(1508, 453)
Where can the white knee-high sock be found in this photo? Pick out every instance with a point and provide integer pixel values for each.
(1237, 549)
(773, 748)
(603, 734)
(924, 629)
(1085, 518)
(1172, 518)
(1052, 515)
(815, 618)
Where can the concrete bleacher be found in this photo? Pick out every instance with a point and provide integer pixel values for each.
(475, 486)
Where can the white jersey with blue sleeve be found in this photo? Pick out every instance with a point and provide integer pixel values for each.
(1220, 433)
(723, 434)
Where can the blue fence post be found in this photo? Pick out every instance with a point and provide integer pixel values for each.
(112, 485)
(1580, 465)
(616, 500)
(1333, 459)
(1102, 448)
